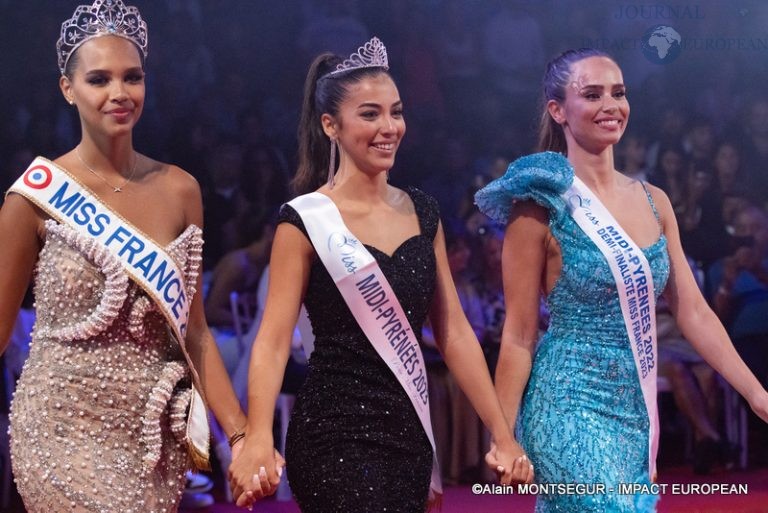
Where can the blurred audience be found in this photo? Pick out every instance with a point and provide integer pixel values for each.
(694, 388)
(227, 113)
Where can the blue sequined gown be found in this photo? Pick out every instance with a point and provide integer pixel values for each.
(582, 418)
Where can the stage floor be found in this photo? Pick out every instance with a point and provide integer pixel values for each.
(460, 499)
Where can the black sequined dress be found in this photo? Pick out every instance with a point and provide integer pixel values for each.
(355, 443)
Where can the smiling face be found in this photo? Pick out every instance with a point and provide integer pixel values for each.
(369, 125)
(107, 85)
(595, 111)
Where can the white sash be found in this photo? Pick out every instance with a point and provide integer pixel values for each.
(56, 192)
(634, 282)
(372, 302)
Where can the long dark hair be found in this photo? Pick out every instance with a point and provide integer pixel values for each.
(556, 79)
(323, 94)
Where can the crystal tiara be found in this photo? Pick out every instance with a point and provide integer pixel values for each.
(372, 54)
(104, 17)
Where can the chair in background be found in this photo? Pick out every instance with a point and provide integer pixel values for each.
(244, 308)
(245, 316)
(734, 419)
(735, 415)
(663, 386)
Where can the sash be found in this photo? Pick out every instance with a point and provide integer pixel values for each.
(61, 196)
(373, 303)
(634, 282)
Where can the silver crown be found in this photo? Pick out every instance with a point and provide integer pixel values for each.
(372, 54)
(104, 17)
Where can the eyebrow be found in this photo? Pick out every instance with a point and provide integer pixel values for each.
(376, 105)
(104, 71)
(598, 86)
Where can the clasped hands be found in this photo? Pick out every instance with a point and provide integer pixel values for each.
(510, 463)
(255, 471)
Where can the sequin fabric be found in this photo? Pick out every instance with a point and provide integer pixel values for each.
(582, 419)
(92, 413)
(354, 441)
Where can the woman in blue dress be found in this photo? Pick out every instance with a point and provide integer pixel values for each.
(576, 398)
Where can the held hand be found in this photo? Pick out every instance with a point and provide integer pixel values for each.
(510, 463)
(255, 471)
(759, 405)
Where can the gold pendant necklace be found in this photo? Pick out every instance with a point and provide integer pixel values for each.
(118, 188)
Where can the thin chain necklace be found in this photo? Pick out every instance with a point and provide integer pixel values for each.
(118, 188)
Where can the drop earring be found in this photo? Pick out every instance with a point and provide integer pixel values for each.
(332, 164)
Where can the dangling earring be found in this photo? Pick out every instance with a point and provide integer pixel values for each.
(332, 164)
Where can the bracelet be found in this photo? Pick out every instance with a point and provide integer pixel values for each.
(236, 437)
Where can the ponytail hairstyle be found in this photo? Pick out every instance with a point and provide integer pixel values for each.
(555, 81)
(323, 94)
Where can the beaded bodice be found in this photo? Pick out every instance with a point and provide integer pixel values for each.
(103, 383)
(81, 288)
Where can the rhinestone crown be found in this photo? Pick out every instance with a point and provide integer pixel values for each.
(372, 54)
(102, 18)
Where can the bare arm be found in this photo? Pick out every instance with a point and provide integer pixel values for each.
(462, 354)
(698, 322)
(200, 344)
(524, 257)
(20, 232)
(289, 270)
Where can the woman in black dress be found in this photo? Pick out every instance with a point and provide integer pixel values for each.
(355, 441)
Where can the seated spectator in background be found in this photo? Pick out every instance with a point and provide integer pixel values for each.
(699, 142)
(457, 427)
(490, 290)
(756, 150)
(223, 201)
(702, 231)
(236, 351)
(239, 271)
(632, 157)
(694, 387)
(473, 221)
(266, 182)
(670, 175)
(302, 345)
(734, 203)
(727, 165)
(669, 133)
(738, 287)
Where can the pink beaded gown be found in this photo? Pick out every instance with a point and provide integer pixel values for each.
(97, 417)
